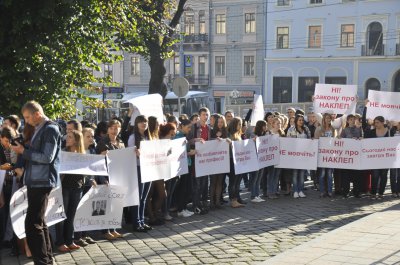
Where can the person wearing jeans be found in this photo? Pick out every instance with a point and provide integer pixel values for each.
(41, 175)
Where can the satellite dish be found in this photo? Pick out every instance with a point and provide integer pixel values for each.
(180, 86)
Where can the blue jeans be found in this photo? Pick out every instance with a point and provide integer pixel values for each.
(298, 180)
(273, 177)
(395, 180)
(137, 211)
(379, 176)
(65, 229)
(254, 183)
(328, 172)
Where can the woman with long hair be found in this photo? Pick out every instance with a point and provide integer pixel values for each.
(234, 133)
(219, 131)
(255, 177)
(299, 130)
(137, 212)
(72, 189)
(325, 130)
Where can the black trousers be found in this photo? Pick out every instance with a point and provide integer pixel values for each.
(37, 233)
(350, 175)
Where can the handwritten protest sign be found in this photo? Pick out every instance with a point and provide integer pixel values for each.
(267, 150)
(298, 153)
(380, 153)
(86, 164)
(19, 204)
(163, 159)
(100, 208)
(148, 105)
(244, 156)
(386, 104)
(339, 153)
(258, 110)
(339, 99)
(122, 166)
(212, 157)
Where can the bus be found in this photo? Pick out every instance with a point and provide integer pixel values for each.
(119, 107)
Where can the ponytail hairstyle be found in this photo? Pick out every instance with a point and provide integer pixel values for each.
(165, 129)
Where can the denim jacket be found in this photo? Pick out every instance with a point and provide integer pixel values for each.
(42, 158)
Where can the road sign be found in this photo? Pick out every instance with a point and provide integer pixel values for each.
(107, 90)
(114, 96)
(180, 86)
(188, 60)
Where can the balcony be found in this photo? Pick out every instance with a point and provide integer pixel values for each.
(195, 38)
(379, 51)
(192, 79)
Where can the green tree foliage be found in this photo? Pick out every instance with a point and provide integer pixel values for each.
(156, 37)
(50, 48)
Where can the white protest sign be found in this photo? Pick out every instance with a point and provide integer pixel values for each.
(267, 150)
(386, 104)
(19, 204)
(85, 164)
(212, 157)
(339, 153)
(100, 208)
(244, 156)
(178, 157)
(154, 164)
(339, 99)
(122, 167)
(380, 153)
(2, 177)
(148, 105)
(258, 110)
(298, 153)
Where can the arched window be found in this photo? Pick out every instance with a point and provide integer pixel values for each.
(396, 82)
(372, 84)
(375, 39)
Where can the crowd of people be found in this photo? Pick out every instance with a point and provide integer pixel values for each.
(30, 157)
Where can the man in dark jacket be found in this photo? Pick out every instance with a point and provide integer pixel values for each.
(41, 175)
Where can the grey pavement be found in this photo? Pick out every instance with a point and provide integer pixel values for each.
(248, 235)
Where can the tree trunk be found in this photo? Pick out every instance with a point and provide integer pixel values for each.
(157, 73)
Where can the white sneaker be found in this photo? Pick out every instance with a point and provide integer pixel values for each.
(302, 195)
(257, 199)
(260, 200)
(167, 217)
(183, 214)
(188, 212)
(295, 195)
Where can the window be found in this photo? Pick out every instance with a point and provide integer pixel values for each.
(339, 80)
(135, 66)
(282, 38)
(202, 65)
(372, 84)
(396, 83)
(202, 22)
(347, 35)
(375, 39)
(248, 65)
(108, 70)
(189, 23)
(219, 65)
(307, 88)
(249, 23)
(314, 37)
(282, 89)
(221, 24)
(315, 1)
(176, 66)
(283, 2)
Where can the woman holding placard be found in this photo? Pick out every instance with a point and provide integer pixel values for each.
(325, 130)
(299, 130)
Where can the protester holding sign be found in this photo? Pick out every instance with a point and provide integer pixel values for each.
(379, 176)
(277, 130)
(234, 132)
(110, 142)
(219, 131)
(255, 177)
(299, 130)
(72, 189)
(353, 132)
(325, 130)
(137, 212)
